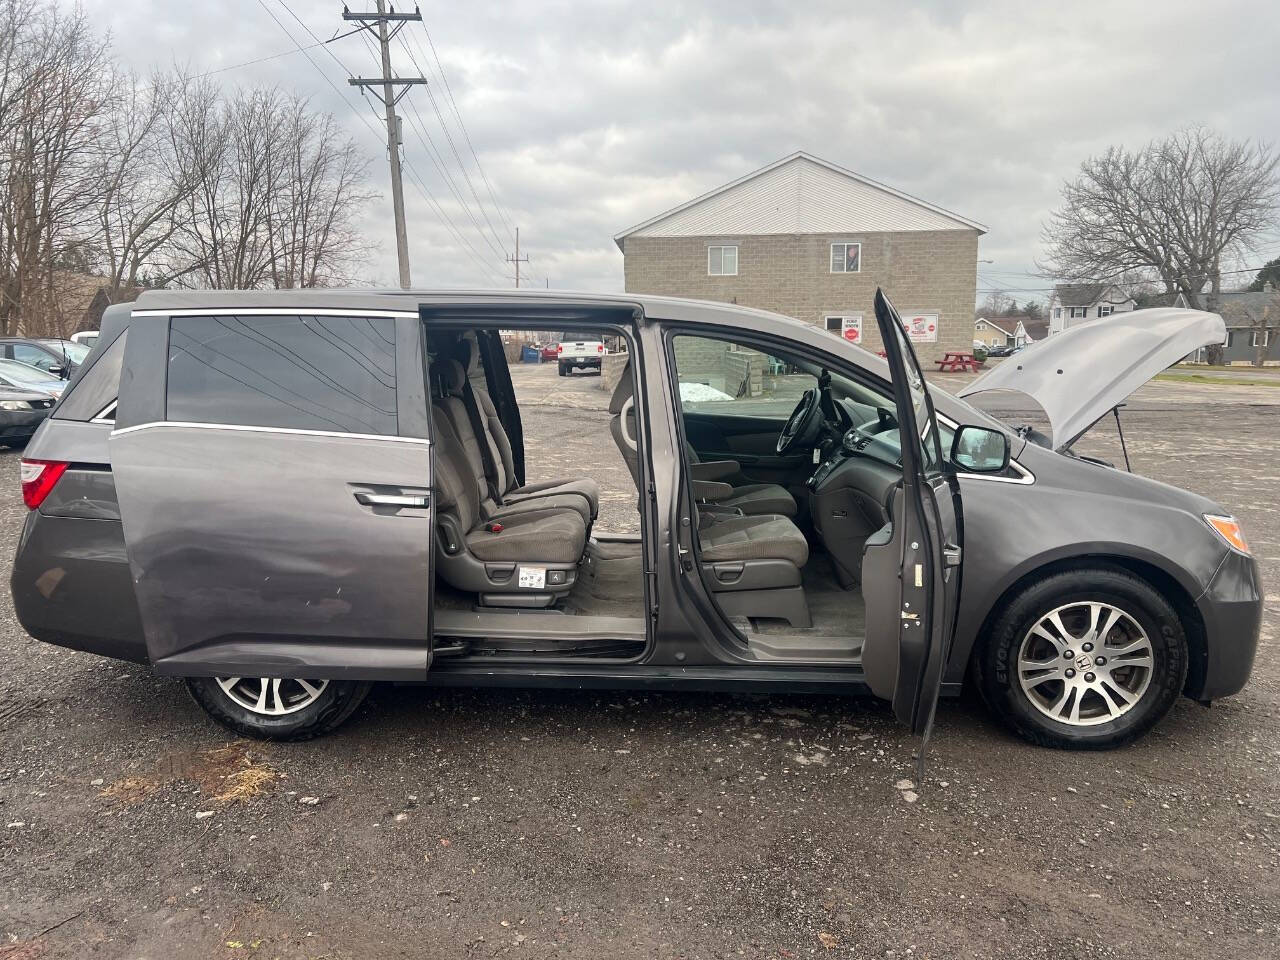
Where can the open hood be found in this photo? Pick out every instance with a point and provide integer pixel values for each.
(1081, 373)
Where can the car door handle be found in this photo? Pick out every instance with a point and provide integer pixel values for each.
(418, 500)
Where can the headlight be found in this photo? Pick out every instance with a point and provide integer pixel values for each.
(1229, 530)
(14, 405)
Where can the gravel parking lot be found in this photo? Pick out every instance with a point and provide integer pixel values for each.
(447, 823)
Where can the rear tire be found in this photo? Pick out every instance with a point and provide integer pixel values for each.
(1102, 681)
(561, 370)
(319, 715)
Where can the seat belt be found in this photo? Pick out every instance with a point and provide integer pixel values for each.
(482, 441)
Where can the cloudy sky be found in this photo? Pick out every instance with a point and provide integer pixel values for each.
(591, 117)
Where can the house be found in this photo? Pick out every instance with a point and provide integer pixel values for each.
(1074, 303)
(1035, 329)
(995, 331)
(1015, 330)
(1246, 314)
(810, 239)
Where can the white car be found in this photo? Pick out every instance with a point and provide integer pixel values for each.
(579, 354)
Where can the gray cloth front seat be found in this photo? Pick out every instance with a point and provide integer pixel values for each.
(750, 498)
(751, 562)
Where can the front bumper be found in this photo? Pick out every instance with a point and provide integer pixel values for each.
(1232, 611)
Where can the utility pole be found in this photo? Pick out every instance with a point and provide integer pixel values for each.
(376, 24)
(517, 259)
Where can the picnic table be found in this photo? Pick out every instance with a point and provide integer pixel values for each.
(957, 361)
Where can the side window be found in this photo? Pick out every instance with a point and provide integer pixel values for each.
(25, 353)
(93, 394)
(728, 379)
(293, 372)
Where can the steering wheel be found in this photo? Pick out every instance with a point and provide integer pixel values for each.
(802, 426)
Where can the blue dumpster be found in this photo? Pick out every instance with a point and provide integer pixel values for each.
(530, 355)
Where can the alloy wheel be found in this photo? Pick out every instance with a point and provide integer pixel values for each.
(1085, 663)
(272, 696)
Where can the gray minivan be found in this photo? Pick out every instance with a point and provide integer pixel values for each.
(286, 496)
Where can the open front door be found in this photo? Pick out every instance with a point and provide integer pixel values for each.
(911, 567)
(274, 480)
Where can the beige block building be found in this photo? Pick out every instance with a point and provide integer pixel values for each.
(806, 238)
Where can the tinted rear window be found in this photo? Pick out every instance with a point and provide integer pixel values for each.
(298, 372)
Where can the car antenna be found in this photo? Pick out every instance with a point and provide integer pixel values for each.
(1120, 430)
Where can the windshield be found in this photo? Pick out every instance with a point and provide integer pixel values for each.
(75, 352)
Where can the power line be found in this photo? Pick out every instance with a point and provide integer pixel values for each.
(363, 119)
(441, 165)
(444, 78)
(454, 148)
(1046, 276)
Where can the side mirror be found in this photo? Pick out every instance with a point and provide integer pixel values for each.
(59, 370)
(979, 450)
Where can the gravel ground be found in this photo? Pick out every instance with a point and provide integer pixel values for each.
(448, 823)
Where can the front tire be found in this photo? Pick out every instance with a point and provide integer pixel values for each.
(1084, 659)
(274, 709)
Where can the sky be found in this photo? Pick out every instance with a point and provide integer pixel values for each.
(588, 118)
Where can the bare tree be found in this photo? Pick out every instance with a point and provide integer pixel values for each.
(144, 181)
(1266, 324)
(317, 193)
(1174, 211)
(54, 101)
(276, 196)
(997, 304)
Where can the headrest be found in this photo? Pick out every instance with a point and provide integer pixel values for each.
(452, 376)
(623, 391)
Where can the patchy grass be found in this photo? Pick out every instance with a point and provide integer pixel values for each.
(250, 782)
(131, 790)
(229, 774)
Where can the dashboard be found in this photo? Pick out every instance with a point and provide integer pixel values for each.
(850, 489)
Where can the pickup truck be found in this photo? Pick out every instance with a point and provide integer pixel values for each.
(579, 354)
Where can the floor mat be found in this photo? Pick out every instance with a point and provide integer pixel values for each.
(835, 612)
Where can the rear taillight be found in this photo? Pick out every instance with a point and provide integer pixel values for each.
(39, 477)
(559, 348)
(600, 349)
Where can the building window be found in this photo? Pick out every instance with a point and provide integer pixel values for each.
(1057, 313)
(1105, 311)
(846, 257)
(1078, 313)
(722, 261)
(1266, 342)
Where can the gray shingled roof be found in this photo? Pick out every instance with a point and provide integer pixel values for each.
(1079, 294)
(1036, 329)
(1008, 324)
(1246, 309)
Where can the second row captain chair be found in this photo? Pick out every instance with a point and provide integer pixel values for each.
(475, 383)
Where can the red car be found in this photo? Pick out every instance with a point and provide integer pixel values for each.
(551, 351)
